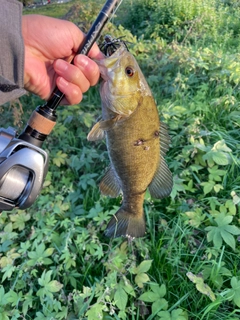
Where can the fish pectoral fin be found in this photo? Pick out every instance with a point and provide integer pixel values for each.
(109, 185)
(97, 132)
(110, 123)
(162, 183)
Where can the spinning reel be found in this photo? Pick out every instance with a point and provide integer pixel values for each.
(23, 164)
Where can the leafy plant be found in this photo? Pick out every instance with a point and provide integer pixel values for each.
(223, 231)
(155, 296)
(55, 262)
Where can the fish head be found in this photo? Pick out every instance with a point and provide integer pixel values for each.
(123, 84)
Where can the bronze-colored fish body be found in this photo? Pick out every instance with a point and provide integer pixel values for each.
(136, 142)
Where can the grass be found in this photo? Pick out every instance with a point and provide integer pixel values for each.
(56, 263)
(81, 13)
(55, 10)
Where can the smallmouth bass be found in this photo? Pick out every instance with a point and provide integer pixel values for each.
(136, 141)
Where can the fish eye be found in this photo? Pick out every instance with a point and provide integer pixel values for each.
(129, 71)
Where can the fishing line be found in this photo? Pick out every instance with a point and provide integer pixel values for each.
(114, 11)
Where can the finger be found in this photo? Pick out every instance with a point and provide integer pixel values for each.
(89, 68)
(73, 94)
(95, 52)
(71, 74)
(83, 74)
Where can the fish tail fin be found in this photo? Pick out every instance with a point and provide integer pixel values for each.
(125, 223)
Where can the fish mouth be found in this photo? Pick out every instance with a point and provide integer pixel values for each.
(110, 45)
(106, 74)
(108, 64)
(104, 77)
(107, 67)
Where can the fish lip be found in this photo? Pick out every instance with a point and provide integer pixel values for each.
(105, 63)
(114, 56)
(104, 77)
(107, 73)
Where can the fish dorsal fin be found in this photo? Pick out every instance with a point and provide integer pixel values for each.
(109, 185)
(164, 138)
(97, 131)
(161, 185)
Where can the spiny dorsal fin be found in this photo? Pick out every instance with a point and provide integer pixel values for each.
(161, 185)
(109, 185)
(164, 138)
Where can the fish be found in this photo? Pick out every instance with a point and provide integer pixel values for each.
(136, 142)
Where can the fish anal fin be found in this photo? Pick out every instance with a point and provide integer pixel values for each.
(161, 185)
(126, 224)
(109, 185)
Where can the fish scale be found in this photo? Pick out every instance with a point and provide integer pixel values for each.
(136, 140)
(133, 162)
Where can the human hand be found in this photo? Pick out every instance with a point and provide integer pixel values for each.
(50, 44)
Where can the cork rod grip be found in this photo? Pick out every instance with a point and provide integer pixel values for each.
(40, 123)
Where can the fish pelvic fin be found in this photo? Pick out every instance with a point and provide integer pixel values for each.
(109, 185)
(162, 183)
(126, 224)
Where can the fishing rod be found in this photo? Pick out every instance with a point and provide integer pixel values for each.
(44, 117)
(23, 163)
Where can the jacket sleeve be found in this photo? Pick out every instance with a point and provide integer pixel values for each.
(11, 51)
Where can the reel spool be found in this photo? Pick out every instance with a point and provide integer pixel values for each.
(13, 183)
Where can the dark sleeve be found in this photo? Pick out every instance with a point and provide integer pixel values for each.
(11, 51)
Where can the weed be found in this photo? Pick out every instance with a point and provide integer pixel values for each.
(55, 262)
